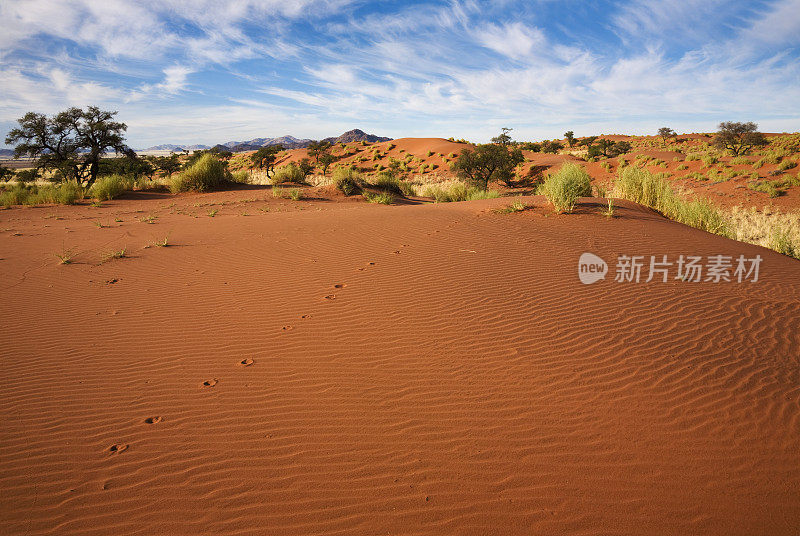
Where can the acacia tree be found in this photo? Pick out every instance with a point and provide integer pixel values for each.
(666, 133)
(318, 148)
(5, 173)
(487, 162)
(265, 158)
(166, 164)
(738, 138)
(503, 139)
(325, 161)
(570, 137)
(306, 167)
(71, 142)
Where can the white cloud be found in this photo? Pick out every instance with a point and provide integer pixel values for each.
(515, 40)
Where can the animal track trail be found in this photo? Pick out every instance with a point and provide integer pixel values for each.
(153, 420)
(246, 362)
(209, 383)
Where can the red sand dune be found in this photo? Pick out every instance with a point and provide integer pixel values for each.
(336, 367)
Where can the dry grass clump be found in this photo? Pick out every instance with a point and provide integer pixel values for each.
(450, 191)
(774, 230)
(565, 186)
(516, 206)
(207, 173)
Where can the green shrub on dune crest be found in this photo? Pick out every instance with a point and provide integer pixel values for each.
(207, 173)
(641, 186)
(565, 186)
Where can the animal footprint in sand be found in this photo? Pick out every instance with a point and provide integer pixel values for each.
(209, 383)
(330, 297)
(116, 449)
(287, 328)
(339, 285)
(153, 420)
(246, 362)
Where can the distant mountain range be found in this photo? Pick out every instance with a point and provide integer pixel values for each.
(177, 148)
(288, 142)
(6, 153)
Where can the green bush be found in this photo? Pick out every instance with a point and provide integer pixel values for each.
(206, 173)
(110, 186)
(66, 193)
(387, 182)
(566, 185)
(347, 180)
(242, 176)
(288, 173)
(384, 198)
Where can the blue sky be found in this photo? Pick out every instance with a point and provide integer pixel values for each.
(216, 71)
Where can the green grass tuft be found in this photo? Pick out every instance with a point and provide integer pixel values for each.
(565, 186)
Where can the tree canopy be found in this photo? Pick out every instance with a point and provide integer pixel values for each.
(265, 157)
(486, 163)
(318, 148)
(738, 138)
(70, 142)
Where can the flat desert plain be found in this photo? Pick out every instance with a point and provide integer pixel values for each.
(329, 366)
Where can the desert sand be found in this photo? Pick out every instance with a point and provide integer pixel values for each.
(329, 366)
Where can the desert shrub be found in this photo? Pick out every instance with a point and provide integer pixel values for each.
(387, 182)
(681, 167)
(406, 188)
(65, 193)
(242, 176)
(383, 198)
(709, 159)
(206, 173)
(453, 191)
(787, 164)
(110, 186)
(767, 187)
(641, 186)
(347, 180)
(288, 173)
(741, 161)
(692, 157)
(565, 186)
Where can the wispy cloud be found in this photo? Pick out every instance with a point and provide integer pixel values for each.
(464, 67)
